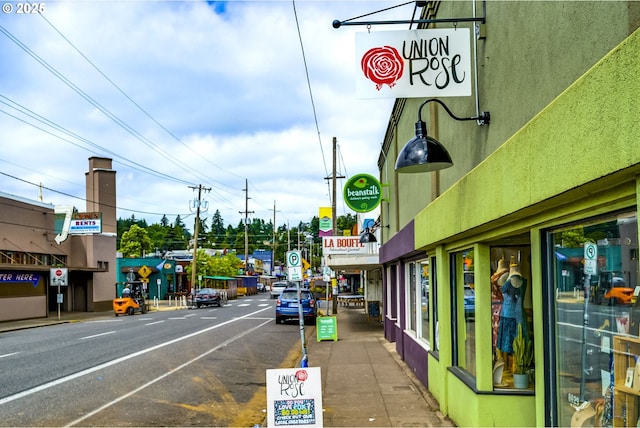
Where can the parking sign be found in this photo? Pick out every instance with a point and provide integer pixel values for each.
(590, 258)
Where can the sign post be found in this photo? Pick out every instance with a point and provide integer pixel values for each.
(590, 268)
(59, 277)
(294, 266)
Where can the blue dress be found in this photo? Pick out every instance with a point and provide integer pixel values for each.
(511, 315)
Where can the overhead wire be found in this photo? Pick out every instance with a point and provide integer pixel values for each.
(313, 106)
(145, 112)
(100, 107)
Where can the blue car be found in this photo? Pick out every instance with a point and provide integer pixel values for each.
(469, 303)
(288, 303)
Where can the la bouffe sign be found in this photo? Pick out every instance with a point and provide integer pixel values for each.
(414, 63)
(362, 193)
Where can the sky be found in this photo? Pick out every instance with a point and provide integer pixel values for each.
(187, 93)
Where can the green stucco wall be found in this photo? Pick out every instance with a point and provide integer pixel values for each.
(591, 130)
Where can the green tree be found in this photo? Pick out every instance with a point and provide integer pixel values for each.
(135, 242)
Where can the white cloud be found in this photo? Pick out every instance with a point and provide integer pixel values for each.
(231, 88)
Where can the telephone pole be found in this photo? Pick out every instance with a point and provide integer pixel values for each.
(195, 232)
(334, 224)
(246, 213)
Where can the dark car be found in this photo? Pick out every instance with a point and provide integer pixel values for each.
(288, 303)
(208, 297)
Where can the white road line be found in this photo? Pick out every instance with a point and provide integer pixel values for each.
(264, 304)
(208, 318)
(109, 320)
(155, 322)
(159, 378)
(97, 335)
(124, 358)
(243, 304)
(8, 355)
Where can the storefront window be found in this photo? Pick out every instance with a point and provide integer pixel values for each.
(594, 270)
(433, 300)
(412, 292)
(511, 318)
(423, 311)
(465, 306)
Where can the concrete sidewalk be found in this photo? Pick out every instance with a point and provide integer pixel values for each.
(364, 381)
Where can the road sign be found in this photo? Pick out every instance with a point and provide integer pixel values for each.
(590, 258)
(294, 273)
(294, 259)
(58, 276)
(144, 271)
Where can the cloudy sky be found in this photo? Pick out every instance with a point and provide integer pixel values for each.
(183, 93)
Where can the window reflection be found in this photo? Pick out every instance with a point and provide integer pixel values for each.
(597, 318)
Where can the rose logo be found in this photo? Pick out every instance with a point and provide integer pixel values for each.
(302, 375)
(382, 65)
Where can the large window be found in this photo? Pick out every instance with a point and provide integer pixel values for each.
(464, 310)
(593, 268)
(512, 318)
(418, 299)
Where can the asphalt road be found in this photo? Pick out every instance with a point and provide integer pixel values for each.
(189, 367)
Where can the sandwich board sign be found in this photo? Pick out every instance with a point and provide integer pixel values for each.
(294, 397)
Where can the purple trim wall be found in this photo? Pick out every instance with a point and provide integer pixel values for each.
(401, 244)
(394, 253)
(416, 358)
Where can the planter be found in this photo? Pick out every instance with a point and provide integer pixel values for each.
(521, 380)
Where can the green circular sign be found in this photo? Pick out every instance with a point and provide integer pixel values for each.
(362, 193)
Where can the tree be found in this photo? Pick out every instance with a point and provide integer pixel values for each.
(135, 242)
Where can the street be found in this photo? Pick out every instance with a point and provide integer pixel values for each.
(187, 367)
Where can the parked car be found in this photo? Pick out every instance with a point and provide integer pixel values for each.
(288, 303)
(261, 287)
(469, 303)
(277, 287)
(208, 297)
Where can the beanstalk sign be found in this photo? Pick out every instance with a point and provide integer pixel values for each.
(362, 193)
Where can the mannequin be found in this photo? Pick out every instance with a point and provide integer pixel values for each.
(512, 311)
(498, 279)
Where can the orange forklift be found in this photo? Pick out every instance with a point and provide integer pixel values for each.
(129, 298)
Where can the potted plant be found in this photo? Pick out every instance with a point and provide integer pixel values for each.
(523, 354)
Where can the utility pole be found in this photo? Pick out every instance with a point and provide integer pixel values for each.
(246, 213)
(273, 247)
(195, 233)
(334, 177)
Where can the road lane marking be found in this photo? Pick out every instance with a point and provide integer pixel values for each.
(8, 355)
(155, 322)
(159, 378)
(119, 360)
(98, 335)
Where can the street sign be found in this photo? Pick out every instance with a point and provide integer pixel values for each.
(144, 271)
(590, 258)
(294, 259)
(294, 273)
(58, 277)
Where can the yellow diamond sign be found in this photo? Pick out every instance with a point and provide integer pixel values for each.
(144, 271)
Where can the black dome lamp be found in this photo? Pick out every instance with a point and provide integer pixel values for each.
(367, 237)
(423, 153)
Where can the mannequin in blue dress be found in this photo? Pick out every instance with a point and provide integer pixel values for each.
(512, 312)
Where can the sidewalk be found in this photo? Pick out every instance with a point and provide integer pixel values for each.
(364, 381)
